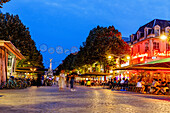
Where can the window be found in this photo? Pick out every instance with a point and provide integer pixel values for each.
(167, 47)
(156, 31)
(167, 30)
(146, 47)
(138, 35)
(145, 33)
(138, 48)
(156, 45)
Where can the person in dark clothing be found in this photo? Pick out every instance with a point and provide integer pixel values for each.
(110, 83)
(126, 84)
(73, 74)
(114, 83)
(33, 82)
(39, 80)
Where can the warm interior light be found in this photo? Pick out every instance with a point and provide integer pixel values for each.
(163, 37)
(109, 57)
(111, 71)
(141, 59)
(128, 57)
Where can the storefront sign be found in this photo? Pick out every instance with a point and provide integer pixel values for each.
(125, 64)
(139, 55)
(165, 53)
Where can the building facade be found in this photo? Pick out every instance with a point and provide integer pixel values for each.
(9, 55)
(147, 45)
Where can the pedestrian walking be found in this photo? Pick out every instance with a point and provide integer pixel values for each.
(73, 74)
(62, 80)
(42, 80)
(39, 80)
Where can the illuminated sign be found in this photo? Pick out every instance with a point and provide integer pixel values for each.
(125, 64)
(142, 59)
(163, 54)
(139, 55)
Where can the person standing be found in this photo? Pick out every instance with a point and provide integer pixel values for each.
(141, 84)
(73, 74)
(42, 80)
(62, 80)
(38, 80)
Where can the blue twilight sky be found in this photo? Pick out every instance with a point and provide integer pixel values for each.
(66, 23)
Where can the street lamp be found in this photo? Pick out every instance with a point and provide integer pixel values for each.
(33, 69)
(128, 57)
(163, 37)
(109, 57)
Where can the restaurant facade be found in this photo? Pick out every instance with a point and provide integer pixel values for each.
(9, 55)
(149, 44)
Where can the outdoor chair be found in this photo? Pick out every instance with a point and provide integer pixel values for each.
(168, 91)
(138, 89)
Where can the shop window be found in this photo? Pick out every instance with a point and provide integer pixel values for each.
(138, 48)
(9, 62)
(146, 47)
(155, 45)
(167, 47)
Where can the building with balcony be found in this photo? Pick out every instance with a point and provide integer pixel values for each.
(147, 46)
(146, 43)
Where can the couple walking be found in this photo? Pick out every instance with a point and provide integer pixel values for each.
(70, 77)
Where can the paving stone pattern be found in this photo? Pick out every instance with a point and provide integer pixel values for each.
(84, 100)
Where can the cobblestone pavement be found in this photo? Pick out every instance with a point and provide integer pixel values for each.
(84, 100)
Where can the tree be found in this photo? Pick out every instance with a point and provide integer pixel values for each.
(12, 29)
(2, 2)
(103, 41)
(100, 43)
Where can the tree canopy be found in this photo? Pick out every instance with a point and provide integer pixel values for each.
(12, 29)
(2, 2)
(101, 42)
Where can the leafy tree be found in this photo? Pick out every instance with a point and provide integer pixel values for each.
(12, 29)
(103, 41)
(2, 2)
(100, 43)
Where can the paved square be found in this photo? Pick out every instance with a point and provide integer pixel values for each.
(84, 100)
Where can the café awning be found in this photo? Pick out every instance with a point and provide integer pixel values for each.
(158, 63)
(95, 74)
(163, 64)
(28, 69)
(10, 47)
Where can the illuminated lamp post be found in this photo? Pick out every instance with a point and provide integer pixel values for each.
(33, 69)
(128, 57)
(109, 57)
(29, 63)
(163, 38)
